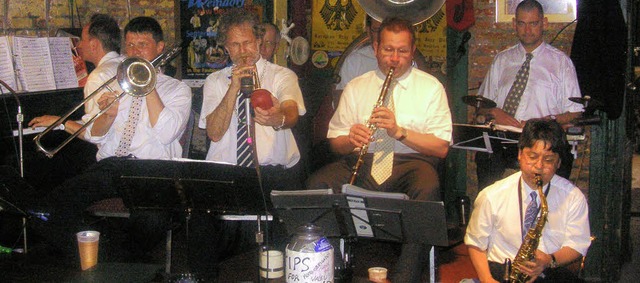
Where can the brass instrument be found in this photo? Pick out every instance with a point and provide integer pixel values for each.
(532, 238)
(372, 127)
(136, 76)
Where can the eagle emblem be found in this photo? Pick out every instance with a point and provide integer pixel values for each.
(338, 16)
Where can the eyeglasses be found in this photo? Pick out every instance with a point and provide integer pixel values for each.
(139, 46)
(547, 160)
(402, 52)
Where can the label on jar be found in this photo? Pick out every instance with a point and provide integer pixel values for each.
(310, 267)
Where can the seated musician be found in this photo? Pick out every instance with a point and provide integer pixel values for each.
(415, 122)
(227, 122)
(100, 45)
(155, 130)
(504, 212)
(527, 88)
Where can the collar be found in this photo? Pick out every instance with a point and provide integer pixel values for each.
(400, 82)
(109, 56)
(536, 52)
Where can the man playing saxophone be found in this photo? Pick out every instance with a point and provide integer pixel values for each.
(500, 219)
(415, 121)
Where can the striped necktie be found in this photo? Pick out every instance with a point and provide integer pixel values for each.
(530, 214)
(130, 127)
(244, 157)
(517, 88)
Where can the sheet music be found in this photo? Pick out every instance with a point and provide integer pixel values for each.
(33, 63)
(64, 71)
(7, 74)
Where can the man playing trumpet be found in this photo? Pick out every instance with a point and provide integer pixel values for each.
(227, 118)
(416, 122)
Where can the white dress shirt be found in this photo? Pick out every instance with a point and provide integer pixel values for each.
(158, 142)
(552, 81)
(274, 147)
(420, 105)
(495, 224)
(106, 69)
(356, 64)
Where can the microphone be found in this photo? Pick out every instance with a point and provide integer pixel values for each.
(246, 85)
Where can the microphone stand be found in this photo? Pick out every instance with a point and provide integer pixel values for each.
(19, 119)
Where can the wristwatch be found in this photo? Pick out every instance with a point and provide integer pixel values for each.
(403, 134)
(553, 263)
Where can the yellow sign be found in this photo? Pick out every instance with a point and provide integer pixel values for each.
(336, 23)
(431, 35)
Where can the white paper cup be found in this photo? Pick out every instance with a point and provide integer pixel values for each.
(88, 248)
(271, 264)
(377, 274)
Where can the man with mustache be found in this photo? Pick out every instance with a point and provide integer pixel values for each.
(227, 120)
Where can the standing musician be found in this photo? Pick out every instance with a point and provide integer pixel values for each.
(420, 127)
(228, 123)
(547, 86)
(241, 35)
(497, 225)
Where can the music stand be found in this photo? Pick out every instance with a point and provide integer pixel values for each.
(387, 219)
(187, 186)
(484, 138)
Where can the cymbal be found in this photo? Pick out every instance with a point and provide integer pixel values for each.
(478, 101)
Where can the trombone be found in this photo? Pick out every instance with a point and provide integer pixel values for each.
(136, 76)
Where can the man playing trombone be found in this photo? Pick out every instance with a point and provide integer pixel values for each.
(413, 131)
(152, 133)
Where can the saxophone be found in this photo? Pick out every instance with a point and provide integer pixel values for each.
(370, 126)
(532, 239)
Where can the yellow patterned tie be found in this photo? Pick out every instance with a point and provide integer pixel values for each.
(383, 154)
(517, 88)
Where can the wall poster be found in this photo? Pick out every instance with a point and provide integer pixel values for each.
(201, 54)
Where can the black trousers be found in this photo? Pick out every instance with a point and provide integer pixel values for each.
(212, 240)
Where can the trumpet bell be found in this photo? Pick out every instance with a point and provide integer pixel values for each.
(136, 76)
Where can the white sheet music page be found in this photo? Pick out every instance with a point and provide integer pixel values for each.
(7, 74)
(33, 63)
(64, 72)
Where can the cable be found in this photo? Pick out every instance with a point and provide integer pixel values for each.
(561, 30)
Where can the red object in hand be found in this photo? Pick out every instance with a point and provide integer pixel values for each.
(261, 98)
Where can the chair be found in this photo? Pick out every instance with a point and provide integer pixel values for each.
(115, 207)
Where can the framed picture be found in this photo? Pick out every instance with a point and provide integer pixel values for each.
(556, 11)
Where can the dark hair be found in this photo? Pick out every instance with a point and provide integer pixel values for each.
(396, 25)
(235, 17)
(548, 131)
(106, 30)
(530, 5)
(145, 25)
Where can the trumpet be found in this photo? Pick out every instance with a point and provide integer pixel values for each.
(372, 127)
(136, 77)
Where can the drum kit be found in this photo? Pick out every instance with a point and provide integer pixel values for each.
(575, 133)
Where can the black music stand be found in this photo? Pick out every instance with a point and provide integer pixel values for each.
(484, 138)
(353, 216)
(187, 186)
